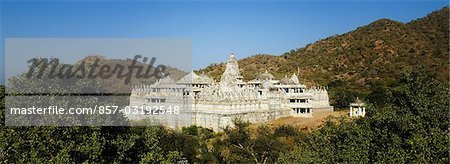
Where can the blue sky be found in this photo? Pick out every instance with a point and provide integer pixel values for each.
(216, 28)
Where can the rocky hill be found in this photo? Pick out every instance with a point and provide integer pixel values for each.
(355, 61)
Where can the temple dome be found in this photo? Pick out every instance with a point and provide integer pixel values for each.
(266, 76)
(287, 81)
(166, 80)
(193, 78)
(206, 77)
(357, 102)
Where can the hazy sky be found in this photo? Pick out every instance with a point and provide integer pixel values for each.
(215, 28)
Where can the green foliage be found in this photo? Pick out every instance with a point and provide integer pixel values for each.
(241, 144)
(346, 142)
(86, 144)
(77, 144)
(415, 122)
(410, 128)
(343, 94)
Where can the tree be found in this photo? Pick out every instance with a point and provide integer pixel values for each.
(75, 144)
(411, 127)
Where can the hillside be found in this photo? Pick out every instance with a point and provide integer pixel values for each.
(353, 63)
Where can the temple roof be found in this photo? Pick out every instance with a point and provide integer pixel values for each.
(266, 76)
(204, 76)
(357, 102)
(286, 80)
(166, 80)
(193, 78)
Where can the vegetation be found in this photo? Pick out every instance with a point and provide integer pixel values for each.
(409, 127)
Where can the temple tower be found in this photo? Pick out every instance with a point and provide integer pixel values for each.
(231, 76)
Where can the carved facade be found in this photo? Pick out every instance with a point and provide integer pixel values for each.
(204, 102)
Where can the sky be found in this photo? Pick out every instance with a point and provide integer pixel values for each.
(215, 28)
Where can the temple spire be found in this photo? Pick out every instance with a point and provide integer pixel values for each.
(231, 74)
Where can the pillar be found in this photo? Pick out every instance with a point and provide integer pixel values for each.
(351, 111)
(364, 111)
